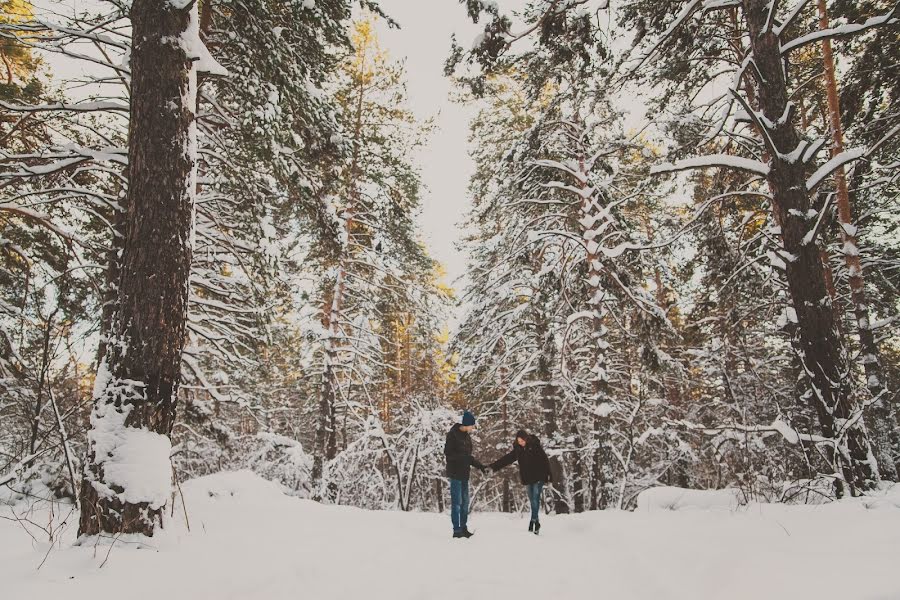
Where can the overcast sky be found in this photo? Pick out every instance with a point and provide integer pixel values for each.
(424, 41)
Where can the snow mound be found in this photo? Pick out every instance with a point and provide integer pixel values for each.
(139, 464)
(244, 485)
(886, 497)
(676, 498)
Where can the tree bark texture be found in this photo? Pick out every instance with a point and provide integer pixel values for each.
(137, 385)
(880, 415)
(821, 350)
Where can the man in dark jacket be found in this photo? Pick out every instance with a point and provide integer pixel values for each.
(534, 471)
(458, 450)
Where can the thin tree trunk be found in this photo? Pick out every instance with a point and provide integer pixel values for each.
(325, 443)
(506, 502)
(549, 408)
(578, 471)
(42, 381)
(822, 354)
(67, 449)
(113, 272)
(137, 384)
(880, 415)
(591, 212)
(326, 437)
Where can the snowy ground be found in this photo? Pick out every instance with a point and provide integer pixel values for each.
(248, 541)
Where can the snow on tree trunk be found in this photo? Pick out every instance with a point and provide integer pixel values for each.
(820, 349)
(128, 476)
(595, 220)
(880, 415)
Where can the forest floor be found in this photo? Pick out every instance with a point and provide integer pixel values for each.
(247, 540)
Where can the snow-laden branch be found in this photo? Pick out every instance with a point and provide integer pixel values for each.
(39, 218)
(712, 5)
(20, 466)
(66, 107)
(778, 426)
(195, 368)
(833, 165)
(69, 156)
(713, 160)
(849, 29)
(795, 12)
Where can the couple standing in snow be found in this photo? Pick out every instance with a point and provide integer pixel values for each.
(534, 471)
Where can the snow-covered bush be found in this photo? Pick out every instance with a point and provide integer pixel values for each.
(282, 459)
(403, 469)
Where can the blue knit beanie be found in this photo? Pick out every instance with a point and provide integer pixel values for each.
(468, 418)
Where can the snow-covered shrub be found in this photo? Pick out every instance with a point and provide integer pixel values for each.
(45, 481)
(284, 460)
(397, 470)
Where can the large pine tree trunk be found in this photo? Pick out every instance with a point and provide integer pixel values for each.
(880, 415)
(326, 428)
(594, 221)
(128, 476)
(821, 351)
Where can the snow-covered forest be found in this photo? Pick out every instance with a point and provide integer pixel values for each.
(683, 274)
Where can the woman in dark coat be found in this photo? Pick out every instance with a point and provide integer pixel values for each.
(534, 471)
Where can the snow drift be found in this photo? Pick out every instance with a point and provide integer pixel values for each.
(250, 540)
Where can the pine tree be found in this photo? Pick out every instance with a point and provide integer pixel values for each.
(763, 93)
(128, 477)
(374, 272)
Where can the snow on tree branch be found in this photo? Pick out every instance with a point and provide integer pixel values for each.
(713, 160)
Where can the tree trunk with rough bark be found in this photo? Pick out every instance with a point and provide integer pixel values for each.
(550, 410)
(326, 428)
(880, 415)
(506, 499)
(128, 474)
(821, 351)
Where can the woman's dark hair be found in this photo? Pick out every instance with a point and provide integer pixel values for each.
(522, 435)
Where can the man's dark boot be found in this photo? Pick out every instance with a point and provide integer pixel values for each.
(466, 533)
(537, 527)
(458, 534)
(531, 526)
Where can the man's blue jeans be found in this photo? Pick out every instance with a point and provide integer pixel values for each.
(459, 504)
(534, 496)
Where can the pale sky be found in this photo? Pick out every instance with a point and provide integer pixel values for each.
(424, 42)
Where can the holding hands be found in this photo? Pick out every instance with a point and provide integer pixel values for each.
(487, 469)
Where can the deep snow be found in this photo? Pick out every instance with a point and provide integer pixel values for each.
(248, 540)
